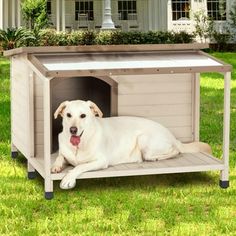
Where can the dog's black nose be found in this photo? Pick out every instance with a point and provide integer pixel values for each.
(73, 130)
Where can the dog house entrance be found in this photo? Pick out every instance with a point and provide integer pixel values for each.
(79, 88)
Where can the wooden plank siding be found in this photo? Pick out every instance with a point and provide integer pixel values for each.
(167, 99)
(20, 96)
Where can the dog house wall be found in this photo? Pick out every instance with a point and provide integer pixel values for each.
(22, 103)
(170, 99)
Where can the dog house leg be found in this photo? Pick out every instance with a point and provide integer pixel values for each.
(224, 177)
(31, 171)
(14, 152)
(48, 185)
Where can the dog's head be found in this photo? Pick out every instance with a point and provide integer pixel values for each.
(77, 117)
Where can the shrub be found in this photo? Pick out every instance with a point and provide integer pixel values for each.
(183, 37)
(104, 38)
(88, 38)
(34, 13)
(232, 20)
(13, 38)
(75, 38)
(48, 37)
(204, 25)
(61, 38)
(221, 39)
(134, 37)
(151, 37)
(165, 37)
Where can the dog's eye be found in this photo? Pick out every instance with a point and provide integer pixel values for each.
(68, 115)
(82, 116)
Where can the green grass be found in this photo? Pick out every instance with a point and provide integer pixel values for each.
(177, 204)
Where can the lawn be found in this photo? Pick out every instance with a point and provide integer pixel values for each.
(177, 204)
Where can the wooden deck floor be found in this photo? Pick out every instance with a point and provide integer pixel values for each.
(196, 162)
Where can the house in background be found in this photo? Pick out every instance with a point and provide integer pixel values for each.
(142, 15)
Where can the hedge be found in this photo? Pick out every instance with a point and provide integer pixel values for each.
(50, 37)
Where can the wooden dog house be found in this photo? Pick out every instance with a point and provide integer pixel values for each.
(160, 82)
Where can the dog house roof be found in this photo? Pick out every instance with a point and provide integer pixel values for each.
(121, 60)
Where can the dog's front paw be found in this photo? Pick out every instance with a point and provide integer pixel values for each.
(68, 182)
(56, 168)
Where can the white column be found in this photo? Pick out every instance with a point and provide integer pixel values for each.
(169, 15)
(13, 13)
(18, 13)
(107, 20)
(1, 14)
(5, 14)
(63, 15)
(150, 14)
(156, 14)
(58, 14)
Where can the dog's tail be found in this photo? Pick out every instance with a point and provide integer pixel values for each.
(194, 147)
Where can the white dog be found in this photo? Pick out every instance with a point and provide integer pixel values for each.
(90, 142)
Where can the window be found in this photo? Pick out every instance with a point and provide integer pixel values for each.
(216, 9)
(126, 8)
(49, 7)
(180, 9)
(84, 8)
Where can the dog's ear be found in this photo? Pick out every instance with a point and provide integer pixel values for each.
(95, 109)
(60, 109)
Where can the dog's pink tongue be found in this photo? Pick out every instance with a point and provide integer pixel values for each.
(75, 140)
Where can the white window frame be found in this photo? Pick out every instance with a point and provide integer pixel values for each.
(49, 2)
(127, 9)
(214, 11)
(82, 9)
(178, 11)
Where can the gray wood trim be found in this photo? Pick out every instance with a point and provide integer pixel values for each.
(108, 80)
(106, 48)
(114, 100)
(215, 59)
(114, 93)
(31, 135)
(196, 106)
(42, 69)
